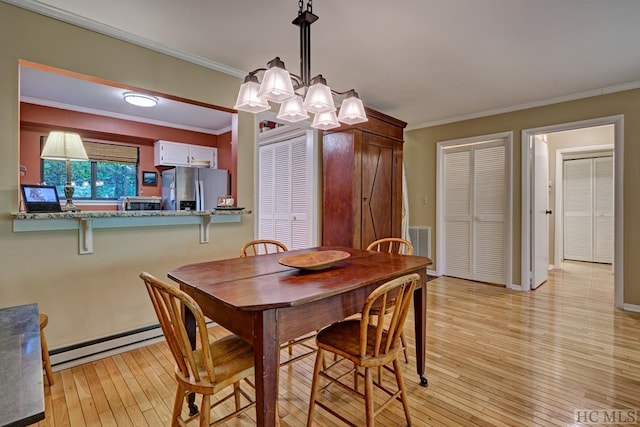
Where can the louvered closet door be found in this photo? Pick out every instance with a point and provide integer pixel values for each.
(603, 210)
(588, 209)
(285, 185)
(474, 209)
(578, 217)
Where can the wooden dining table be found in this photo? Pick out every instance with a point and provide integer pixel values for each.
(267, 303)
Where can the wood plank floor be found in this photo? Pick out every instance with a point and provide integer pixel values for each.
(495, 357)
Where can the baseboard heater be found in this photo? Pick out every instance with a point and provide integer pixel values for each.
(89, 351)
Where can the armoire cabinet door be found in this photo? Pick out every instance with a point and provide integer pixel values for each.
(362, 182)
(377, 189)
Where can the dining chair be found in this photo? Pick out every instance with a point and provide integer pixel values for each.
(394, 245)
(262, 247)
(46, 362)
(206, 369)
(268, 246)
(368, 342)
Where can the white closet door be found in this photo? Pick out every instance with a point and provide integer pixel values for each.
(282, 183)
(588, 230)
(457, 212)
(578, 216)
(489, 215)
(301, 194)
(266, 188)
(603, 209)
(286, 189)
(475, 212)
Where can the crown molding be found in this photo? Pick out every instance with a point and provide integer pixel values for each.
(540, 103)
(87, 110)
(98, 27)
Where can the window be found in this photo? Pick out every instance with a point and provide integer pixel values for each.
(110, 173)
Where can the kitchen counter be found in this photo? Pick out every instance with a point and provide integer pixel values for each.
(21, 383)
(86, 221)
(119, 214)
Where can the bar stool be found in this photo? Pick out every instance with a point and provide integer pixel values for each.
(44, 320)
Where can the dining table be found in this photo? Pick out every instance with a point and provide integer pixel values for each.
(267, 302)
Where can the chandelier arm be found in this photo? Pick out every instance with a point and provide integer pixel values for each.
(335, 92)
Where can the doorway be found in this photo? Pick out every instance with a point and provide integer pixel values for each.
(529, 233)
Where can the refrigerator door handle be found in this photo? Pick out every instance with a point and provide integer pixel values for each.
(197, 191)
(201, 191)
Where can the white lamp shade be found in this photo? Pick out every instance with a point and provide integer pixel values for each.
(64, 146)
(276, 85)
(319, 99)
(248, 99)
(352, 111)
(325, 121)
(292, 110)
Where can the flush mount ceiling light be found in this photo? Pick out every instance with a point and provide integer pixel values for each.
(299, 95)
(140, 99)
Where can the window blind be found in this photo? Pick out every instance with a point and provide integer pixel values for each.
(101, 152)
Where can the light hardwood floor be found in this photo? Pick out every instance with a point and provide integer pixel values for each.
(495, 357)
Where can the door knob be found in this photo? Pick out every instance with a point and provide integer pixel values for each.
(548, 212)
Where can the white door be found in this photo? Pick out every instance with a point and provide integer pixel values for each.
(588, 209)
(286, 191)
(578, 193)
(603, 210)
(475, 194)
(539, 209)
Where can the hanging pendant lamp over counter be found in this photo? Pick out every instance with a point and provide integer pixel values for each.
(299, 95)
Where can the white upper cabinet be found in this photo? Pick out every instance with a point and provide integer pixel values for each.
(168, 153)
(203, 156)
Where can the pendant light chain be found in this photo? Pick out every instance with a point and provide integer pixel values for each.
(309, 6)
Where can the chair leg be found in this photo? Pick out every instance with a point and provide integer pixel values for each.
(45, 358)
(404, 347)
(205, 411)
(177, 406)
(403, 392)
(236, 394)
(314, 385)
(368, 396)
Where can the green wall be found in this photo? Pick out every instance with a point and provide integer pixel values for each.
(92, 296)
(420, 163)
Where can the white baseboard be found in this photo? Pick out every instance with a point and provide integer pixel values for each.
(631, 307)
(432, 272)
(98, 349)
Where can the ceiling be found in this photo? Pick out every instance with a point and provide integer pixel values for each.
(422, 61)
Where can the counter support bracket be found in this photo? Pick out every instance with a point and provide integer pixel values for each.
(85, 236)
(204, 229)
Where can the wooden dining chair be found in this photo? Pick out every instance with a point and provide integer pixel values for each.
(46, 362)
(207, 369)
(262, 247)
(394, 245)
(368, 342)
(267, 246)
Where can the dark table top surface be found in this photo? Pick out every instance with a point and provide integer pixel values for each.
(259, 282)
(21, 381)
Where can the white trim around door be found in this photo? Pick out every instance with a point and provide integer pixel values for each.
(527, 137)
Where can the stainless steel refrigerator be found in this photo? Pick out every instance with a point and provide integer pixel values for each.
(196, 189)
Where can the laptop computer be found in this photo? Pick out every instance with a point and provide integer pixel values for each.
(40, 198)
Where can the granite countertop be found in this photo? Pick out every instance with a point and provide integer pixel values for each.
(121, 214)
(21, 382)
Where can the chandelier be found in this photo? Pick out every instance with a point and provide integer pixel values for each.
(299, 95)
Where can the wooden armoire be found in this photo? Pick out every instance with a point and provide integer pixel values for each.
(362, 181)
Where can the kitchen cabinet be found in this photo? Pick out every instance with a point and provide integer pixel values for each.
(169, 153)
(362, 181)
